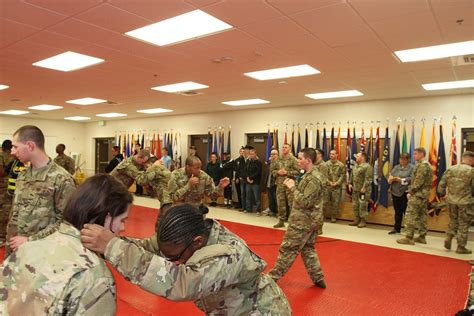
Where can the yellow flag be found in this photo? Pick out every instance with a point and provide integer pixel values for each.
(422, 137)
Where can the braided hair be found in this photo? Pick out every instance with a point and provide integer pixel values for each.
(182, 223)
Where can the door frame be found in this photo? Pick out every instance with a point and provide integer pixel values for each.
(111, 143)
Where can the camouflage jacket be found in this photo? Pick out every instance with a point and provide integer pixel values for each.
(66, 162)
(336, 173)
(40, 198)
(322, 167)
(128, 172)
(158, 177)
(223, 278)
(421, 180)
(308, 194)
(5, 159)
(56, 276)
(290, 164)
(361, 177)
(181, 192)
(459, 180)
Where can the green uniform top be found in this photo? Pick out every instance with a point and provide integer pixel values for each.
(336, 172)
(158, 176)
(223, 278)
(361, 177)
(40, 198)
(181, 192)
(308, 193)
(56, 276)
(290, 164)
(459, 180)
(5, 158)
(322, 167)
(66, 162)
(128, 171)
(421, 180)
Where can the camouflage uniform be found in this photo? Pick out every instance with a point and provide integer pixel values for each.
(40, 198)
(303, 226)
(5, 159)
(459, 180)
(181, 192)
(56, 276)
(128, 171)
(223, 278)
(16, 168)
(66, 162)
(419, 191)
(290, 164)
(323, 170)
(336, 173)
(158, 176)
(361, 177)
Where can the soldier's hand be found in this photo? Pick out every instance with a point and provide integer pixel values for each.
(408, 196)
(282, 172)
(96, 237)
(333, 184)
(224, 182)
(350, 187)
(289, 183)
(362, 190)
(193, 181)
(158, 163)
(17, 241)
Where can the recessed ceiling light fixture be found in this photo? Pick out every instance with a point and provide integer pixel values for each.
(86, 101)
(68, 61)
(3, 87)
(111, 115)
(334, 94)
(154, 111)
(179, 87)
(77, 118)
(246, 102)
(435, 52)
(180, 28)
(14, 112)
(449, 85)
(45, 107)
(285, 72)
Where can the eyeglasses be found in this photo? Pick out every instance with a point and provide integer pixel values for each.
(176, 258)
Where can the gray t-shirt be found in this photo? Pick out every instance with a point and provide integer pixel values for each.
(405, 173)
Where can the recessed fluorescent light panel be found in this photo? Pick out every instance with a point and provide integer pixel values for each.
(449, 85)
(154, 111)
(3, 87)
(77, 118)
(111, 115)
(180, 28)
(285, 72)
(246, 102)
(14, 112)
(45, 107)
(68, 61)
(179, 87)
(86, 101)
(335, 94)
(436, 52)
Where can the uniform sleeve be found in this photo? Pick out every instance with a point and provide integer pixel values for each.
(61, 196)
(210, 189)
(146, 177)
(150, 244)
(174, 282)
(274, 167)
(342, 176)
(307, 195)
(369, 173)
(177, 194)
(71, 166)
(443, 183)
(410, 176)
(418, 179)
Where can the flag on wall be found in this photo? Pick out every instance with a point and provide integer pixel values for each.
(214, 143)
(348, 154)
(293, 140)
(396, 150)
(441, 155)
(453, 156)
(269, 146)
(209, 144)
(325, 145)
(370, 148)
(221, 149)
(142, 144)
(338, 142)
(311, 136)
(433, 160)
(332, 140)
(385, 170)
(353, 148)
(362, 141)
(306, 137)
(229, 148)
(375, 182)
(285, 138)
(298, 148)
(158, 147)
(318, 136)
(422, 136)
(405, 140)
(412, 144)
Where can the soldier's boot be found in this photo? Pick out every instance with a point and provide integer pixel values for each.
(280, 223)
(333, 219)
(448, 241)
(362, 223)
(355, 222)
(406, 241)
(463, 250)
(420, 240)
(321, 284)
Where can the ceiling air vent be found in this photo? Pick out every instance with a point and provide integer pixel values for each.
(189, 93)
(463, 60)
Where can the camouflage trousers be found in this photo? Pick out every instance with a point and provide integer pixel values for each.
(360, 208)
(334, 200)
(299, 237)
(5, 210)
(284, 198)
(416, 216)
(460, 217)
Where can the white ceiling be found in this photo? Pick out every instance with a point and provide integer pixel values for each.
(350, 41)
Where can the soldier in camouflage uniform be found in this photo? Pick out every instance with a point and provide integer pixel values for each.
(5, 159)
(63, 160)
(361, 187)
(336, 177)
(459, 180)
(322, 167)
(304, 221)
(131, 169)
(193, 259)
(42, 191)
(57, 275)
(285, 167)
(418, 194)
(190, 184)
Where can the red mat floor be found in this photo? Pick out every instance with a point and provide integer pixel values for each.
(362, 279)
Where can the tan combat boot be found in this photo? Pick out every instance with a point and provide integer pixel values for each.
(463, 250)
(362, 223)
(420, 240)
(406, 241)
(280, 223)
(355, 222)
(448, 241)
(333, 219)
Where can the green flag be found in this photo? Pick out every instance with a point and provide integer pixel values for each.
(404, 141)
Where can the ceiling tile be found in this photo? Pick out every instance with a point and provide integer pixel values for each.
(28, 14)
(154, 10)
(66, 7)
(294, 6)
(372, 11)
(12, 32)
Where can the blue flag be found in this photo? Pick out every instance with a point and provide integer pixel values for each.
(441, 156)
(375, 182)
(209, 144)
(412, 145)
(298, 148)
(396, 150)
(385, 171)
(269, 146)
(318, 143)
(325, 145)
(354, 147)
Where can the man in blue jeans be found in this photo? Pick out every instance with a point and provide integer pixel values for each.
(254, 174)
(241, 177)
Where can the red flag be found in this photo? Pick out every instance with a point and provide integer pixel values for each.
(433, 160)
(362, 141)
(338, 142)
(158, 147)
(453, 156)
